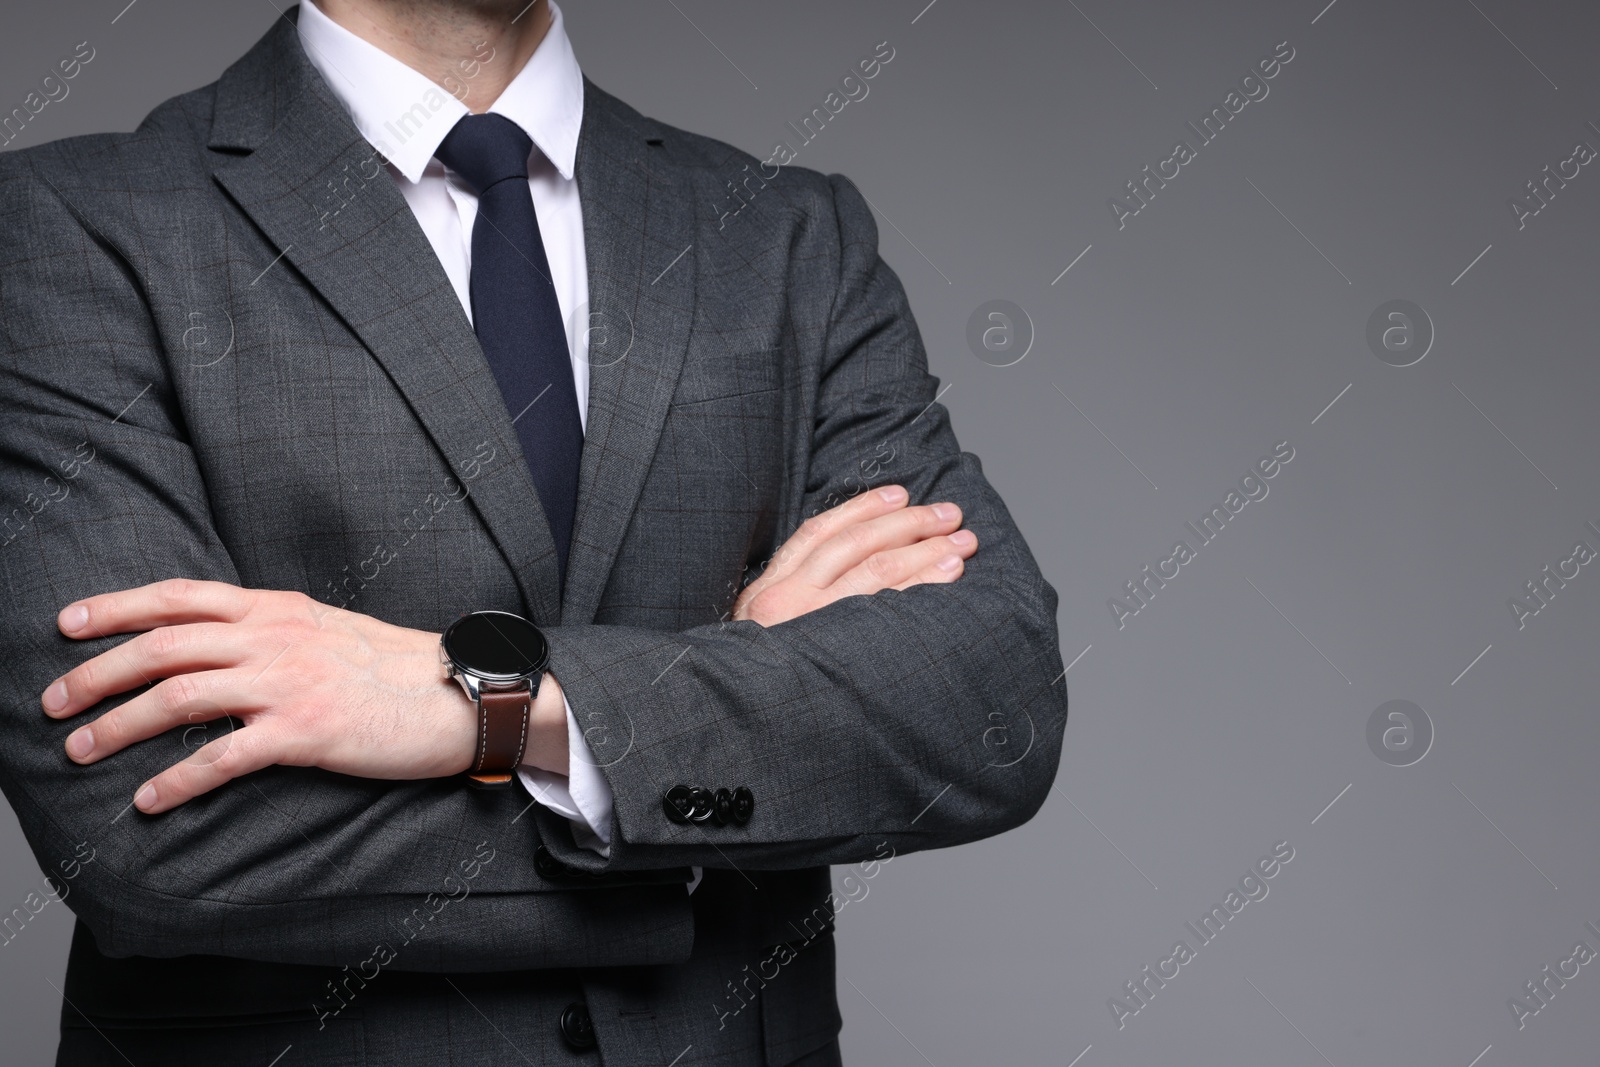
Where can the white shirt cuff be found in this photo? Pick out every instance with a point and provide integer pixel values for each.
(582, 795)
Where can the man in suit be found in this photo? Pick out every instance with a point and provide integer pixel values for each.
(417, 410)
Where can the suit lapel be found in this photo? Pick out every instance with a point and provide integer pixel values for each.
(638, 224)
(371, 262)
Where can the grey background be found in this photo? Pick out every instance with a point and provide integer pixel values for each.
(1206, 331)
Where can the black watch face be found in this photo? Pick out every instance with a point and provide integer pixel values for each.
(496, 645)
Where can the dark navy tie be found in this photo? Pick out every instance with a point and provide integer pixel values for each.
(515, 312)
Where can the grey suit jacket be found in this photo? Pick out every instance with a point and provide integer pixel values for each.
(229, 353)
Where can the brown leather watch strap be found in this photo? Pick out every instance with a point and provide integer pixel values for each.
(502, 736)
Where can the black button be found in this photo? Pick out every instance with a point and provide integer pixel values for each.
(577, 1029)
(547, 865)
(724, 809)
(702, 803)
(678, 803)
(744, 802)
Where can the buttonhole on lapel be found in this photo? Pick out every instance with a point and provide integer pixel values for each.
(654, 141)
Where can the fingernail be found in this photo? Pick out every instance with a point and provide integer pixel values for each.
(963, 538)
(74, 617)
(146, 798)
(892, 494)
(949, 563)
(946, 511)
(55, 698)
(81, 743)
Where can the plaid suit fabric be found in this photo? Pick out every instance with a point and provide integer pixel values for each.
(229, 353)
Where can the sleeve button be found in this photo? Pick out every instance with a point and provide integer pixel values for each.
(702, 804)
(548, 866)
(678, 802)
(744, 802)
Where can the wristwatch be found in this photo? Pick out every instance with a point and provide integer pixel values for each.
(499, 659)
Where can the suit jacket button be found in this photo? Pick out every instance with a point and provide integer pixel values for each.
(744, 802)
(678, 802)
(548, 866)
(577, 1028)
(702, 804)
(723, 813)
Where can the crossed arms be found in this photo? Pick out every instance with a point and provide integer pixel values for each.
(317, 686)
(848, 713)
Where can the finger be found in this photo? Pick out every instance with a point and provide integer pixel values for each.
(188, 699)
(855, 545)
(159, 653)
(888, 569)
(176, 600)
(944, 570)
(826, 524)
(248, 749)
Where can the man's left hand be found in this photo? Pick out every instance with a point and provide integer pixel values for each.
(314, 685)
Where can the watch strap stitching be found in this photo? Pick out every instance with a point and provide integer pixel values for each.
(483, 734)
(524, 706)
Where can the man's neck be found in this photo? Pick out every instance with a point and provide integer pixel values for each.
(471, 48)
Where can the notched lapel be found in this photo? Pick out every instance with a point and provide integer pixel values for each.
(638, 224)
(357, 243)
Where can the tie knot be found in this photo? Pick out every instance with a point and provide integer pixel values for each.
(486, 149)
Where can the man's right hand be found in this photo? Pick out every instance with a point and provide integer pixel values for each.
(869, 543)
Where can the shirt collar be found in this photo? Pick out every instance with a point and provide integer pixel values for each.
(405, 115)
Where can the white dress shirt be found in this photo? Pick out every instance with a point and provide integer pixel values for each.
(405, 116)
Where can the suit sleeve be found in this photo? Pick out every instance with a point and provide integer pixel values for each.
(100, 490)
(917, 719)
